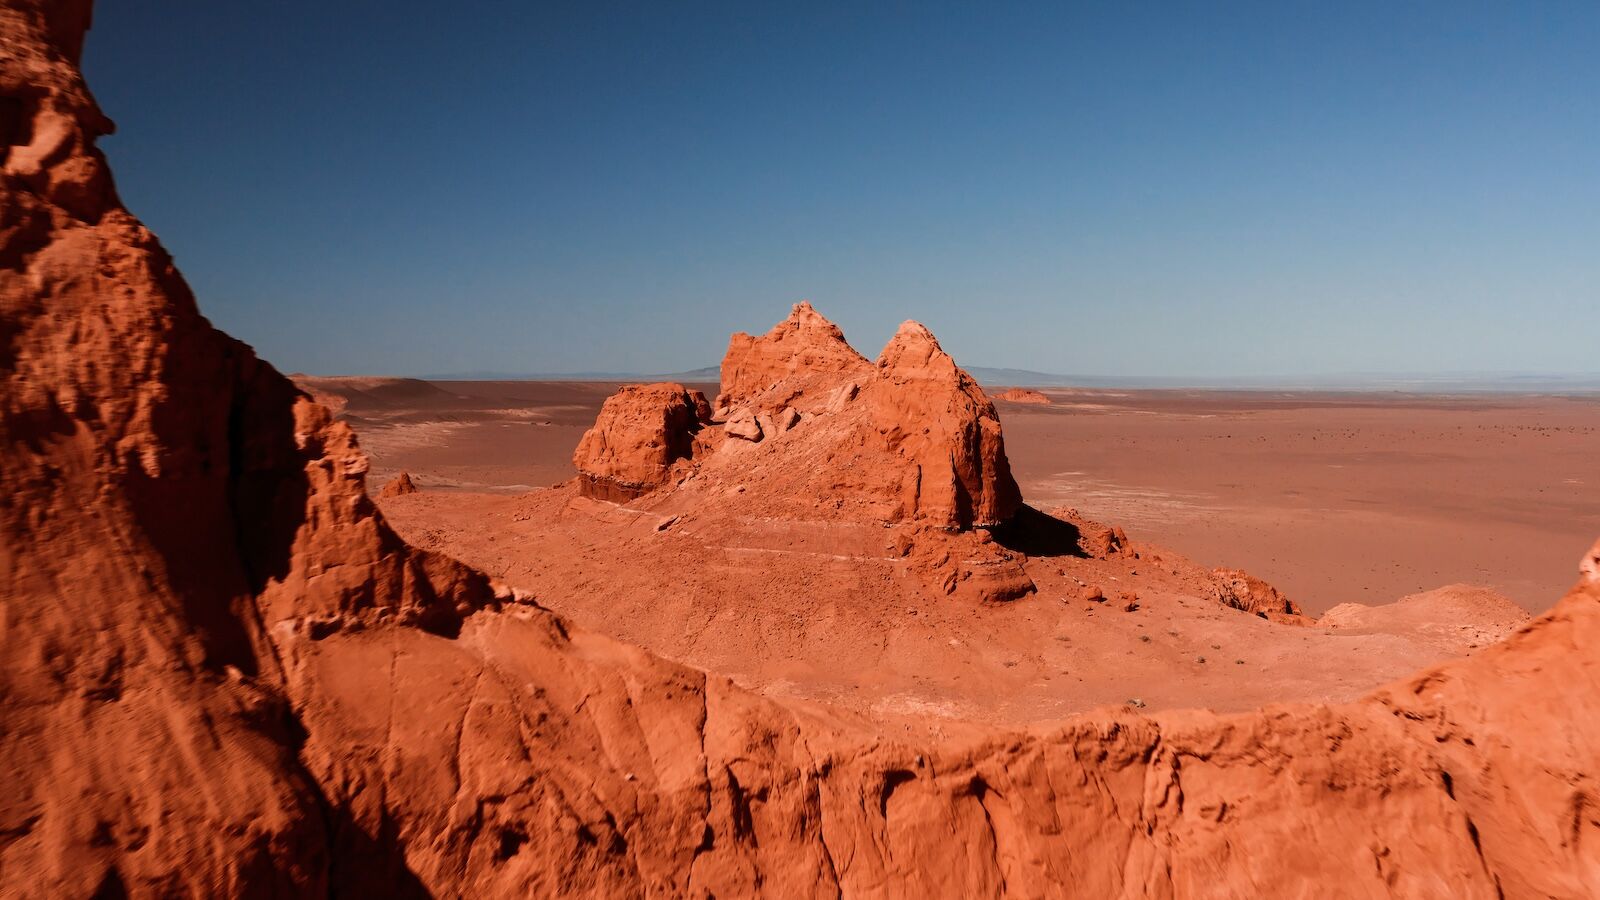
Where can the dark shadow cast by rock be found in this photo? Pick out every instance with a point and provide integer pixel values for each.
(1034, 533)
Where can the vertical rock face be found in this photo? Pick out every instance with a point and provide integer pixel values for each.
(130, 639)
(932, 413)
(642, 430)
(164, 498)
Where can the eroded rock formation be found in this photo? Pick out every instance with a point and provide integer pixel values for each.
(1023, 395)
(642, 431)
(1245, 592)
(175, 513)
(795, 364)
(399, 486)
(816, 437)
(931, 412)
(911, 438)
(225, 676)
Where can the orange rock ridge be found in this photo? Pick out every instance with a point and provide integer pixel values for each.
(226, 676)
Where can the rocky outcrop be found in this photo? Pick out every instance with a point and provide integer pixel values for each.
(174, 510)
(930, 412)
(1247, 593)
(225, 676)
(643, 431)
(399, 486)
(795, 364)
(1023, 395)
(910, 441)
(920, 440)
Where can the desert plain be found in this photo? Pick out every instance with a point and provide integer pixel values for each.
(1350, 496)
(1454, 502)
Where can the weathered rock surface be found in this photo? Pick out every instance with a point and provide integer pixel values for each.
(791, 365)
(225, 676)
(168, 501)
(642, 431)
(399, 486)
(909, 439)
(931, 412)
(1245, 592)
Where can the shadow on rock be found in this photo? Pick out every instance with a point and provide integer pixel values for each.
(1034, 533)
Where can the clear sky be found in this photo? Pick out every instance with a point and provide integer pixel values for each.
(1169, 189)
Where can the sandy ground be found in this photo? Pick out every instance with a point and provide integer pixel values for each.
(801, 613)
(1334, 498)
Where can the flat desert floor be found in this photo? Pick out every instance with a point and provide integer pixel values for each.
(1332, 497)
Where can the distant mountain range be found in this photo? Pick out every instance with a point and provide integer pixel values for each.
(1449, 382)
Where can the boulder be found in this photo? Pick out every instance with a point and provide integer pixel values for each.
(642, 430)
(841, 397)
(1103, 541)
(742, 424)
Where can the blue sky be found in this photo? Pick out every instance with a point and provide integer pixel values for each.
(1166, 189)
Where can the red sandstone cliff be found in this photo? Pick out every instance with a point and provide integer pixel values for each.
(225, 676)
